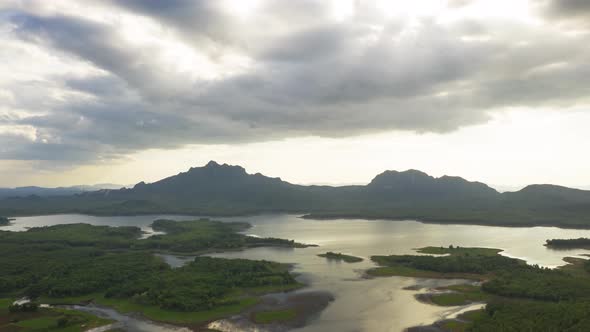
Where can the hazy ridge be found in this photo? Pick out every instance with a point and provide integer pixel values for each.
(216, 189)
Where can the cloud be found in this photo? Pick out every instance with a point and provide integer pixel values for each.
(568, 7)
(573, 13)
(162, 74)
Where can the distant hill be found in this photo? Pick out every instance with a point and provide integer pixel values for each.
(216, 189)
(419, 185)
(59, 191)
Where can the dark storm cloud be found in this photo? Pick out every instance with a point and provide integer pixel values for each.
(207, 23)
(199, 21)
(308, 75)
(568, 8)
(573, 13)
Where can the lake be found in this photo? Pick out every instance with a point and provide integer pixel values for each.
(381, 304)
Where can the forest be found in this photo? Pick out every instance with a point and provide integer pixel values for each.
(579, 243)
(59, 263)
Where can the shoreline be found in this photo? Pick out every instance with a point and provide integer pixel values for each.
(305, 304)
(442, 221)
(439, 325)
(312, 216)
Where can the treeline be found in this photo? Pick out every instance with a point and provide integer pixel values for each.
(579, 243)
(523, 315)
(477, 264)
(76, 235)
(538, 283)
(181, 236)
(205, 235)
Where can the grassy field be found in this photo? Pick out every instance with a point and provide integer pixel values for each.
(47, 320)
(156, 313)
(575, 267)
(460, 295)
(180, 317)
(267, 317)
(4, 303)
(237, 302)
(463, 323)
(403, 271)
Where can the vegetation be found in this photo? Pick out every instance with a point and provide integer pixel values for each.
(112, 266)
(463, 322)
(520, 297)
(539, 284)
(74, 235)
(526, 315)
(580, 243)
(267, 317)
(341, 257)
(471, 263)
(228, 190)
(206, 235)
(46, 320)
(458, 251)
(459, 295)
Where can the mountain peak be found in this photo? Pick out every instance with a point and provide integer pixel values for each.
(212, 164)
(389, 178)
(141, 184)
(419, 183)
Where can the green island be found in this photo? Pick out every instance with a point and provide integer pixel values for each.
(341, 257)
(464, 263)
(112, 266)
(274, 316)
(519, 296)
(458, 251)
(579, 243)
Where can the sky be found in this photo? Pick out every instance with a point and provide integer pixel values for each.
(312, 91)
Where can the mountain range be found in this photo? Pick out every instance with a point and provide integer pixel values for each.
(58, 191)
(217, 190)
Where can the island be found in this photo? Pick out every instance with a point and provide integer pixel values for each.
(333, 256)
(519, 296)
(114, 267)
(579, 243)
